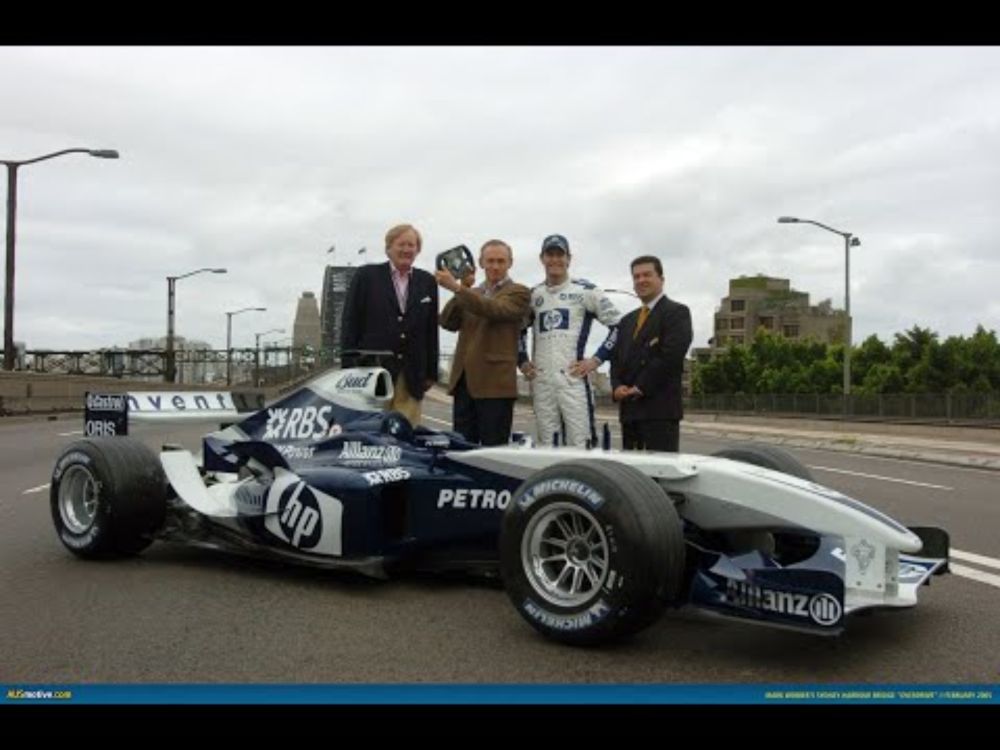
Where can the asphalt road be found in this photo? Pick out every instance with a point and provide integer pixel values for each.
(181, 615)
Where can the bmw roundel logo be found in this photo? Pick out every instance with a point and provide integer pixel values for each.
(824, 609)
(539, 301)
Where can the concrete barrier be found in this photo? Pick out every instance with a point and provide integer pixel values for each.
(24, 393)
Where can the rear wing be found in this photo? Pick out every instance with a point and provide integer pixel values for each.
(109, 414)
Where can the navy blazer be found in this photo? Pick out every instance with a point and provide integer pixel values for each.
(653, 361)
(372, 320)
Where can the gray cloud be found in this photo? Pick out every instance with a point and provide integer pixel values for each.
(259, 159)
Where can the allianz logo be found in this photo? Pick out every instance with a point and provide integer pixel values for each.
(355, 450)
(103, 402)
(823, 609)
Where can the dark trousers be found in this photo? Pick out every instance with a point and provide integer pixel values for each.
(486, 421)
(652, 435)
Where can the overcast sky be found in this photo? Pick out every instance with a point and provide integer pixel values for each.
(260, 159)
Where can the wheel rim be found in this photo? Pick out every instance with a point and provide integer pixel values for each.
(564, 554)
(78, 495)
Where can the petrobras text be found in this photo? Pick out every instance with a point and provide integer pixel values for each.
(474, 499)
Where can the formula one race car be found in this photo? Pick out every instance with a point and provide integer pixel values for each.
(592, 545)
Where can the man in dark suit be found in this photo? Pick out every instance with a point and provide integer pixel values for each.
(489, 319)
(394, 307)
(648, 361)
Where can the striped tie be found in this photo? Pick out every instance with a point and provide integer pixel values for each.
(643, 314)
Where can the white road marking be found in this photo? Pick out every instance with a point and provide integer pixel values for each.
(883, 478)
(989, 562)
(937, 466)
(975, 575)
(39, 488)
(71, 432)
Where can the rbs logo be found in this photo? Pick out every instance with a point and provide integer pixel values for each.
(300, 423)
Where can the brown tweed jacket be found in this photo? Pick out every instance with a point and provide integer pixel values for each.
(488, 330)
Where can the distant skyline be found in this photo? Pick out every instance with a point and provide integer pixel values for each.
(262, 159)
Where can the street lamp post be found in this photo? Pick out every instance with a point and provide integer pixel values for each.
(256, 365)
(8, 307)
(849, 241)
(171, 368)
(229, 339)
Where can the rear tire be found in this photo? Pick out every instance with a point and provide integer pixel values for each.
(591, 552)
(108, 497)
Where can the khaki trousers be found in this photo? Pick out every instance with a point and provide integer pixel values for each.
(403, 402)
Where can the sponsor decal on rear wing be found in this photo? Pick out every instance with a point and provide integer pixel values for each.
(108, 414)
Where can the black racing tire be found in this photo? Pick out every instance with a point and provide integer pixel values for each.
(623, 550)
(108, 497)
(768, 457)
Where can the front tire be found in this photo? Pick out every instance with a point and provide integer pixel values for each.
(768, 457)
(108, 497)
(591, 552)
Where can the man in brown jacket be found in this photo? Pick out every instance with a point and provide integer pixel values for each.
(488, 319)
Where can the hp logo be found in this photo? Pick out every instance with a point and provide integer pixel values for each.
(552, 320)
(299, 516)
(824, 609)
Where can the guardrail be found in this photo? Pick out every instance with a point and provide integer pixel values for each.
(266, 366)
(980, 409)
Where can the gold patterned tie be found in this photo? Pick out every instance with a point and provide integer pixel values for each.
(643, 314)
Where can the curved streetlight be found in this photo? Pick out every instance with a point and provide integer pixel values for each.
(8, 307)
(849, 241)
(171, 374)
(229, 339)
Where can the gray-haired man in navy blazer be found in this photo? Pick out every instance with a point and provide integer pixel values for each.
(394, 307)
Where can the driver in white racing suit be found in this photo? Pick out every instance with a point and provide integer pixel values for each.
(562, 311)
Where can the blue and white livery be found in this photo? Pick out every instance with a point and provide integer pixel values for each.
(560, 324)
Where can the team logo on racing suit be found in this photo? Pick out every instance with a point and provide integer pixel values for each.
(356, 453)
(556, 319)
(300, 423)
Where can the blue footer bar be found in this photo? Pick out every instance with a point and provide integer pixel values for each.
(498, 694)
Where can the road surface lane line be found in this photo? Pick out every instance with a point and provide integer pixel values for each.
(883, 478)
(989, 562)
(975, 575)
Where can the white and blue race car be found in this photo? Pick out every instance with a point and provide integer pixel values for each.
(592, 545)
